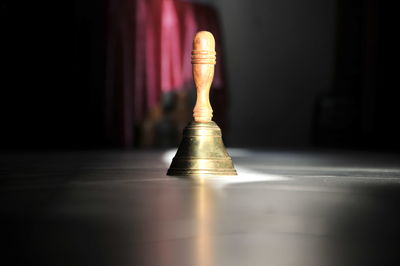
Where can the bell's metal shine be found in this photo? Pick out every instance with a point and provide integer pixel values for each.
(202, 152)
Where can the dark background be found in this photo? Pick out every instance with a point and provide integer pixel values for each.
(301, 74)
(308, 74)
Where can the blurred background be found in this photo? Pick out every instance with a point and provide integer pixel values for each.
(117, 73)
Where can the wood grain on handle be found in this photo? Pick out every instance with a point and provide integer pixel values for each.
(203, 61)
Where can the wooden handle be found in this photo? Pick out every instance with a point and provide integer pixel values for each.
(203, 61)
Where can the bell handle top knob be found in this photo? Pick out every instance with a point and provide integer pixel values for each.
(203, 61)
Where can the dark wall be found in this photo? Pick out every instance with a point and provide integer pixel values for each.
(280, 57)
(53, 62)
(308, 73)
(360, 109)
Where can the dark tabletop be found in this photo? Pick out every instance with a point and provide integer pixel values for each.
(119, 208)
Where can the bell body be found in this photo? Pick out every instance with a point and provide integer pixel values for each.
(201, 152)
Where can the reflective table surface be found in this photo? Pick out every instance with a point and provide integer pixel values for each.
(119, 208)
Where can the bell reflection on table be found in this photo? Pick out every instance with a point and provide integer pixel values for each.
(204, 225)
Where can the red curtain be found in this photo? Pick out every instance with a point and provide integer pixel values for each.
(149, 46)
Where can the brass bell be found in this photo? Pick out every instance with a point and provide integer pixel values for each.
(202, 151)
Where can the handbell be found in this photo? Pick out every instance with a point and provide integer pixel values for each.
(202, 151)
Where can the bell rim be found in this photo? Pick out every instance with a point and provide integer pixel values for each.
(201, 172)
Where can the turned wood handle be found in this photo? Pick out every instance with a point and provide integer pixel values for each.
(203, 61)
